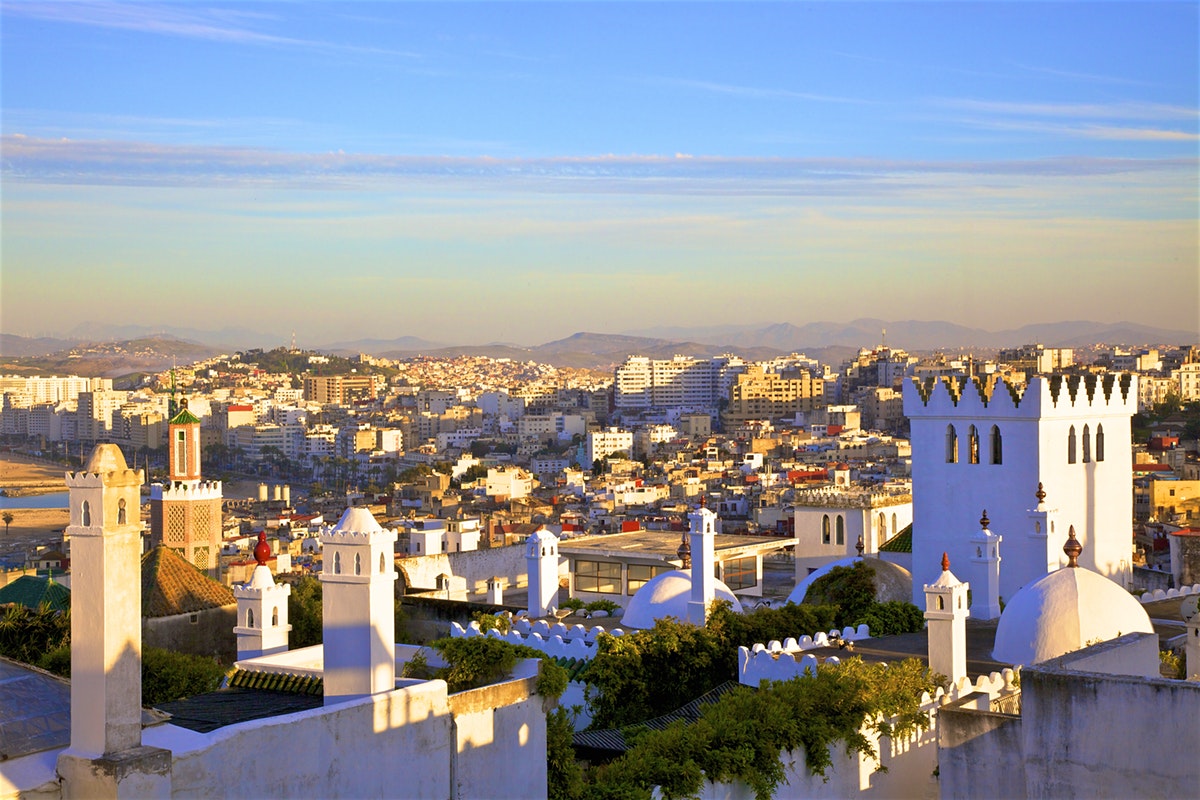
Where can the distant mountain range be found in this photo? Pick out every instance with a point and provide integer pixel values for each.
(831, 342)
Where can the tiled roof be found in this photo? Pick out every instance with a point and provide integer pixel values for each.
(32, 592)
(900, 543)
(184, 417)
(170, 586)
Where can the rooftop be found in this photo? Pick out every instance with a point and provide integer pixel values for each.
(662, 545)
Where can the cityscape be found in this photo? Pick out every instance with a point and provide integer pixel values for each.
(599, 400)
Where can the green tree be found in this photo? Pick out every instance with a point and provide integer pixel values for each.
(851, 589)
(8, 518)
(168, 675)
(304, 613)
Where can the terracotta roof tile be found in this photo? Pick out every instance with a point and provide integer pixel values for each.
(170, 586)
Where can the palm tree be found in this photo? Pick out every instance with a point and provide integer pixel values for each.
(8, 518)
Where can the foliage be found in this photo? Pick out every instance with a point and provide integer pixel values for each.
(489, 622)
(741, 736)
(479, 660)
(28, 634)
(304, 613)
(472, 474)
(603, 604)
(767, 624)
(892, 617)
(564, 775)
(168, 675)
(57, 661)
(1171, 665)
(573, 603)
(852, 589)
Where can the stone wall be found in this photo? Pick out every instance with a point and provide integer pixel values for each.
(976, 752)
(204, 633)
(475, 567)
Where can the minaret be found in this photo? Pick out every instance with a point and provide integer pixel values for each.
(987, 556)
(1041, 530)
(106, 634)
(185, 513)
(946, 613)
(702, 528)
(358, 607)
(262, 609)
(541, 561)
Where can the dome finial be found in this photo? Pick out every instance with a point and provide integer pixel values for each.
(945, 561)
(262, 550)
(983, 521)
(1041, 493)
(1072, 548)
(859, 546)
(703, 500)
(684, 552)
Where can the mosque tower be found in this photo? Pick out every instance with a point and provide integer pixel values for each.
(262, 609)
(702, 530)
(946, 612)
(185, 513)
(541, 559)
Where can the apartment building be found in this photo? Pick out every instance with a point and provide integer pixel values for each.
(759, 394)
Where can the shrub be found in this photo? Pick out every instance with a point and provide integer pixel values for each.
(489, 622)
(27, 634)
(573, 603)
(57, 661)
(851, 589)
(167, 675)
(892, 617)
(603, 604)
(479, 660)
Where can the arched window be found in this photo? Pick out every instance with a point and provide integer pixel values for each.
(893, 524)
(841, 530)
(1071, 445)
(1099, 442)
(275, 616)
(973, 444)
(337, 563)
(249, 617)
(358, 563)
(825, 529)
(382, 564)
(951, 445)
(121, 511)
(997, 446)
(1087, 445)
(86, 514)
(882, 527)
(941, 603)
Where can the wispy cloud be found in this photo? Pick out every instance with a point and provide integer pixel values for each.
(1088, 77)
(225, 25)
(1114, 121)
(1115, 110)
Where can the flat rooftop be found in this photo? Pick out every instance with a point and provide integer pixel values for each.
(662, 545)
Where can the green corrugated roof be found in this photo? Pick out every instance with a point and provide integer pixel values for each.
(32, 592)
(184, 417)
(900, 543)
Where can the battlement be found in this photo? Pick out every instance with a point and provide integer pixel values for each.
(839, 497)
(333, 535)
(556, 641)
(181, 490)
(94, 480)
(1041, 396)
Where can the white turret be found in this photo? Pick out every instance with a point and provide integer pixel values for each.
(541, 560)
(358, 607)
(702, 528)
(946, 613)
(987, 559)
(262, 609)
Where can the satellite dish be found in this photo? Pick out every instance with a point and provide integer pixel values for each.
(1189, 606)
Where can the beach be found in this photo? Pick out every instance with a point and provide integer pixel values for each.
(31, 527)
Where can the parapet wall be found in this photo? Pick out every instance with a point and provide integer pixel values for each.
(1041, 397)
(1167, 594)
(556, 641)
(204, 490)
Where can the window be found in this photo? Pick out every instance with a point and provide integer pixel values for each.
(882, 527)
(1099, 442)
(382, 564)
(180, 452)
(893, 524)
(86, 513)
(973, 444)
(741, 573)
(249, 617)
(603, 577)
(841, 530)
(997, 446)
(1071, 445)
(337, 563)
(275, 616)
(121, 511)
(825, 529)
(1087, 445)
(951, 445)
(638, 576)
(358, 563)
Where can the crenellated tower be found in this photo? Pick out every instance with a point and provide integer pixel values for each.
(988, 443)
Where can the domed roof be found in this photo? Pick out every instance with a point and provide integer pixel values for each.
(358, 519)
(668, 595)
(892, 581)
(1062, 612)
(105, 458)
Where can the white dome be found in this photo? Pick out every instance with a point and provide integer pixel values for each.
(668, 595)
(1062, 612)
(892, 581)
(358, 519)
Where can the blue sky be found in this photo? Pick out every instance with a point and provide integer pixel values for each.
(519, 172)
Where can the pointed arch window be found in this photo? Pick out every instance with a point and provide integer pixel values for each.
(1087, 445)
(893, 524)
(249, 617)
(121, 511)
(825, 529)
(382, 564)
(1099, 442)
(997, 446)
(841, 530)
(1071, 445)
(951, 445)
(358, 563)
(86, 514)
(882, 527)
(973, 444)
(337, 563)
(275, 616)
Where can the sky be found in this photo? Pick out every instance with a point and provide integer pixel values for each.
(503, 172)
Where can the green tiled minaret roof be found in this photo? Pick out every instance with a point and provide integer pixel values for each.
(184, 417)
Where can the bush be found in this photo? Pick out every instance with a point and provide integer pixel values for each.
(57, 661)
(489, 622)
(603, 604)
(573, 603)
(892, 617)
(167, 675)
(304, 613)
(28, 634)
(851, 589)
(479, 660)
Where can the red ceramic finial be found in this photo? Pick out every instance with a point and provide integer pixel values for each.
(945, 562)
(703, 501)
(262, 550)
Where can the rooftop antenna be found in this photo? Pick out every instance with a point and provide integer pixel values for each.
(172, 406)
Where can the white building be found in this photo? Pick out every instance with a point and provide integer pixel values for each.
(978, 447)
(602, 444)
(830, 520)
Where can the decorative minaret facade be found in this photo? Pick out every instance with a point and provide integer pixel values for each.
(987, 564)
(185, 513)
(106, 634)
(702, 530)
(946, 615)
(541, 560)
(358, 607)
(262, 609)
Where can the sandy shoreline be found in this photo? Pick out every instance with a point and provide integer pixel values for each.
(31, 527)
